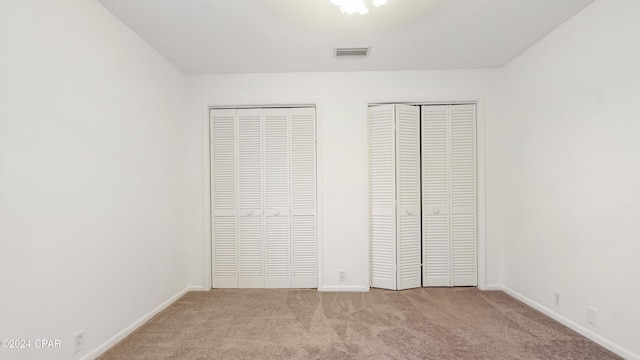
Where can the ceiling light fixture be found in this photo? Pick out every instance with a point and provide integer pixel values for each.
(356, 6)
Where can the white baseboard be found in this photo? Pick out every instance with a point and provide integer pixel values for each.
(197, 288)
(493, 287)
(136, 324)
(356, 288)
(608, 344)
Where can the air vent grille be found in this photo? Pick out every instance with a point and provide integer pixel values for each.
(362, 51)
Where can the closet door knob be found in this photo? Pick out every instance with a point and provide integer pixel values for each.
(409, 212)
(250, 212)
(276, 213)
(436, 211)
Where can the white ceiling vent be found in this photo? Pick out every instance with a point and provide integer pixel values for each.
(363, 51)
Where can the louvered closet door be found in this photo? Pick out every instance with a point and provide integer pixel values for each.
(223, 198)
(408, 242)
(250, 190)
(382, 189)
(303, 198)
(449, 195)
(463, 194)
(277, 198)
(436, 245)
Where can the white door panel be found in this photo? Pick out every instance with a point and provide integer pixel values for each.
(382, 189)
(263, 198)
(449, 191)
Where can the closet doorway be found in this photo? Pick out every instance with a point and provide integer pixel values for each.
(263, 197)
(423, 182)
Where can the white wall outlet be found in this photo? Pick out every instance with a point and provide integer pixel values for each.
(556, 297)
(78, 341)
(592, 316)
(342, 275)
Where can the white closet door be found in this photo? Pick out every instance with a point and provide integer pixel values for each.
(463, 194)
(277, 227)
(250, 190)
(303, 198)
(382, 189)
(408, 242)
(449, 195)
(436, 244)
(223, 198)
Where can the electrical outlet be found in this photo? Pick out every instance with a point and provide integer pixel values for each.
(78, 341)
(342, 275)
(556, 297)
(592, 316)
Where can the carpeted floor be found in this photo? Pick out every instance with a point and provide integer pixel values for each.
(433, 323)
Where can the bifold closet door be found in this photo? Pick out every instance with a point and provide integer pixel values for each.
(463, 195)
(223, 198)
(290, 198)
(449, 229)
(303, 198)
(263, 198)
(408, 196)
(382, 196)
(277, 208)
(394, 167)
(250, 190)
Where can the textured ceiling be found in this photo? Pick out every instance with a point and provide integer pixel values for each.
(249, 36)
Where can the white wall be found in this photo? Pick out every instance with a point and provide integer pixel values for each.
(101, 220)
(571, 146)
(341, 100)
(91, 176)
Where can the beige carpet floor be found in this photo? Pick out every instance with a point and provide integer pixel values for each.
(434, 323)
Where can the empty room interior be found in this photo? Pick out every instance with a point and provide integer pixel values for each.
(161, 156)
